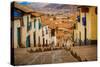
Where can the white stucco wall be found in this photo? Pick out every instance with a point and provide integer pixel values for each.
(16, 25)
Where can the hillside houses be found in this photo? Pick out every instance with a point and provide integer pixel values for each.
(36, 30)
(27, 29)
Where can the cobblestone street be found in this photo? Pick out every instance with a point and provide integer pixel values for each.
(86, 53)
(56, 56)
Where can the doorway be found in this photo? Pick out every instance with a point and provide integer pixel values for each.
(28, 41)
(79, 38)
(34, 39)
(18, 36)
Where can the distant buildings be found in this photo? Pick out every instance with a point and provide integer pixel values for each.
(85, 28)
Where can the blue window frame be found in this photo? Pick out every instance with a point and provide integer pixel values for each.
(84, 20)
(35, 23)
(40, 25)
(29, 24)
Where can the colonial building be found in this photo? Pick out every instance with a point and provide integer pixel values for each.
(20, 21)
(28, 29)
(85, 29)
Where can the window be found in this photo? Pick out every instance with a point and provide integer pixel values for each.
(84, 20)
(35, 23)
(78, 18)
(96, 10)
(74, 26)
(53, 32)
(46, 30)
(42, 32)
(40, 25)
(29, 24)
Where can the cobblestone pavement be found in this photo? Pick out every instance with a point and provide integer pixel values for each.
(55, 56)
(22, 57)
(88, 53)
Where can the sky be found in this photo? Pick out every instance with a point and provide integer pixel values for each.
(24, 3)
(16, 14)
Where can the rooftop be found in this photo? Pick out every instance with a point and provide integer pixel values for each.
(23, 8)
